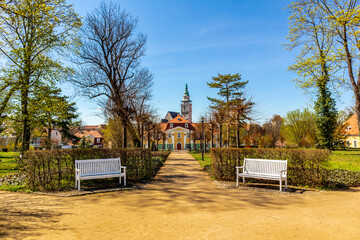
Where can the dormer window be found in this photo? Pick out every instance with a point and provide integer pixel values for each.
(186, 125)
(348, 128)
(179, 119)
(171, 125)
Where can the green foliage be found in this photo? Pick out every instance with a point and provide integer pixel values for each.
(317, 62)
(304, 166)
(54, 169)
(326, 118)
(340, 179)
(229, 89)
(30, 33)
(299, 128)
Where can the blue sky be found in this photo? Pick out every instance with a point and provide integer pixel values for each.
(191, 41)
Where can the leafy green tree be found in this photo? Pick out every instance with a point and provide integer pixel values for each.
(344, 23)
(299, 128)
(229, 93)
(54, 111)
(316, 64)
(30, 32)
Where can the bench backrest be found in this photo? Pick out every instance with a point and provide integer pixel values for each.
(265, 166)
(92, 166)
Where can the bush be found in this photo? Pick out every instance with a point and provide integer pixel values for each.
(340, 179)
(305, 167)
(54, 169)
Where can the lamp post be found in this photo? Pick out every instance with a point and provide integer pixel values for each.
(201, 140)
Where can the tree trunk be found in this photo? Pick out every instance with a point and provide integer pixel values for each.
(26, 125)
(125, 135)
(48, 143)
(220, 135)
(212, 136)
(142, 136)
(237, 136)
(228, 135)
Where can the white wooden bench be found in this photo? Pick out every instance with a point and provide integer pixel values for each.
(263, 169)
(98, 168)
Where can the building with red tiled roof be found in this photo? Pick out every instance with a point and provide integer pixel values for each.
(91, 136)
(180, 132)
(352, 132)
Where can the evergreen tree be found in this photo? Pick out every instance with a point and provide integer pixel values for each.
(230, 92)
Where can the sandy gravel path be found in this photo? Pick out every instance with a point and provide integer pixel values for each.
(182, 203)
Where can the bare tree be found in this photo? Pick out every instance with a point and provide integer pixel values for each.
(109, 58)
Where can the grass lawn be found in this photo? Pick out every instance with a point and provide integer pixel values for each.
(8, 163)
(206, 164)
(345, 159)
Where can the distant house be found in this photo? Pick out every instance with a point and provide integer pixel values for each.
(351, 132)
(55, 139)
(92, 134)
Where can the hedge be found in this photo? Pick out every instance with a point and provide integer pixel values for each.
(54, 169)
(305, 167)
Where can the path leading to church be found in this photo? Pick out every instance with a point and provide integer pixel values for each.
(182, 203)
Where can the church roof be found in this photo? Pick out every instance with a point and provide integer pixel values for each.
(173, 114)
(179, 119)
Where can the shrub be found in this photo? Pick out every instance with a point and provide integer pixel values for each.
(340, 179)
(54, 169)
(305, 167)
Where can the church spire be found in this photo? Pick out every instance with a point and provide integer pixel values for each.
(186, 105)
(186, 93)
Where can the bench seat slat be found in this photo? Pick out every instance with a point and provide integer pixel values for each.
(260, 176)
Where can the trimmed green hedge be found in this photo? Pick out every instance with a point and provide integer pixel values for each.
(305, 167)
(54, 169)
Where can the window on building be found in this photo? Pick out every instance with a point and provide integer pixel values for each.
(186, 125)
(98, 140)
(188, 135)
(179, 119)
(171, 125)
(348, 143)
(179, 135)
(348, 128)
(169, 135)
(355, 144)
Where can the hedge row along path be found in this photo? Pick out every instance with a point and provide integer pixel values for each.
(182, 203)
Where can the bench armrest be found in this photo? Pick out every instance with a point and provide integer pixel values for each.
(281, 171)
(240, 167)
(122, 166)
(77, 170)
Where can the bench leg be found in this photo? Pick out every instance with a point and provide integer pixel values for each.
(243, 180)
(280, 185)
(79, 185)
(237, 177)
(120, 180)
(75, 182)
(125, 177)
(286, 183)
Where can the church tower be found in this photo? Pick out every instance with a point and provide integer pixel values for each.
(186, 105)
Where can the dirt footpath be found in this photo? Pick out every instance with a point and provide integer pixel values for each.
(182, 203)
